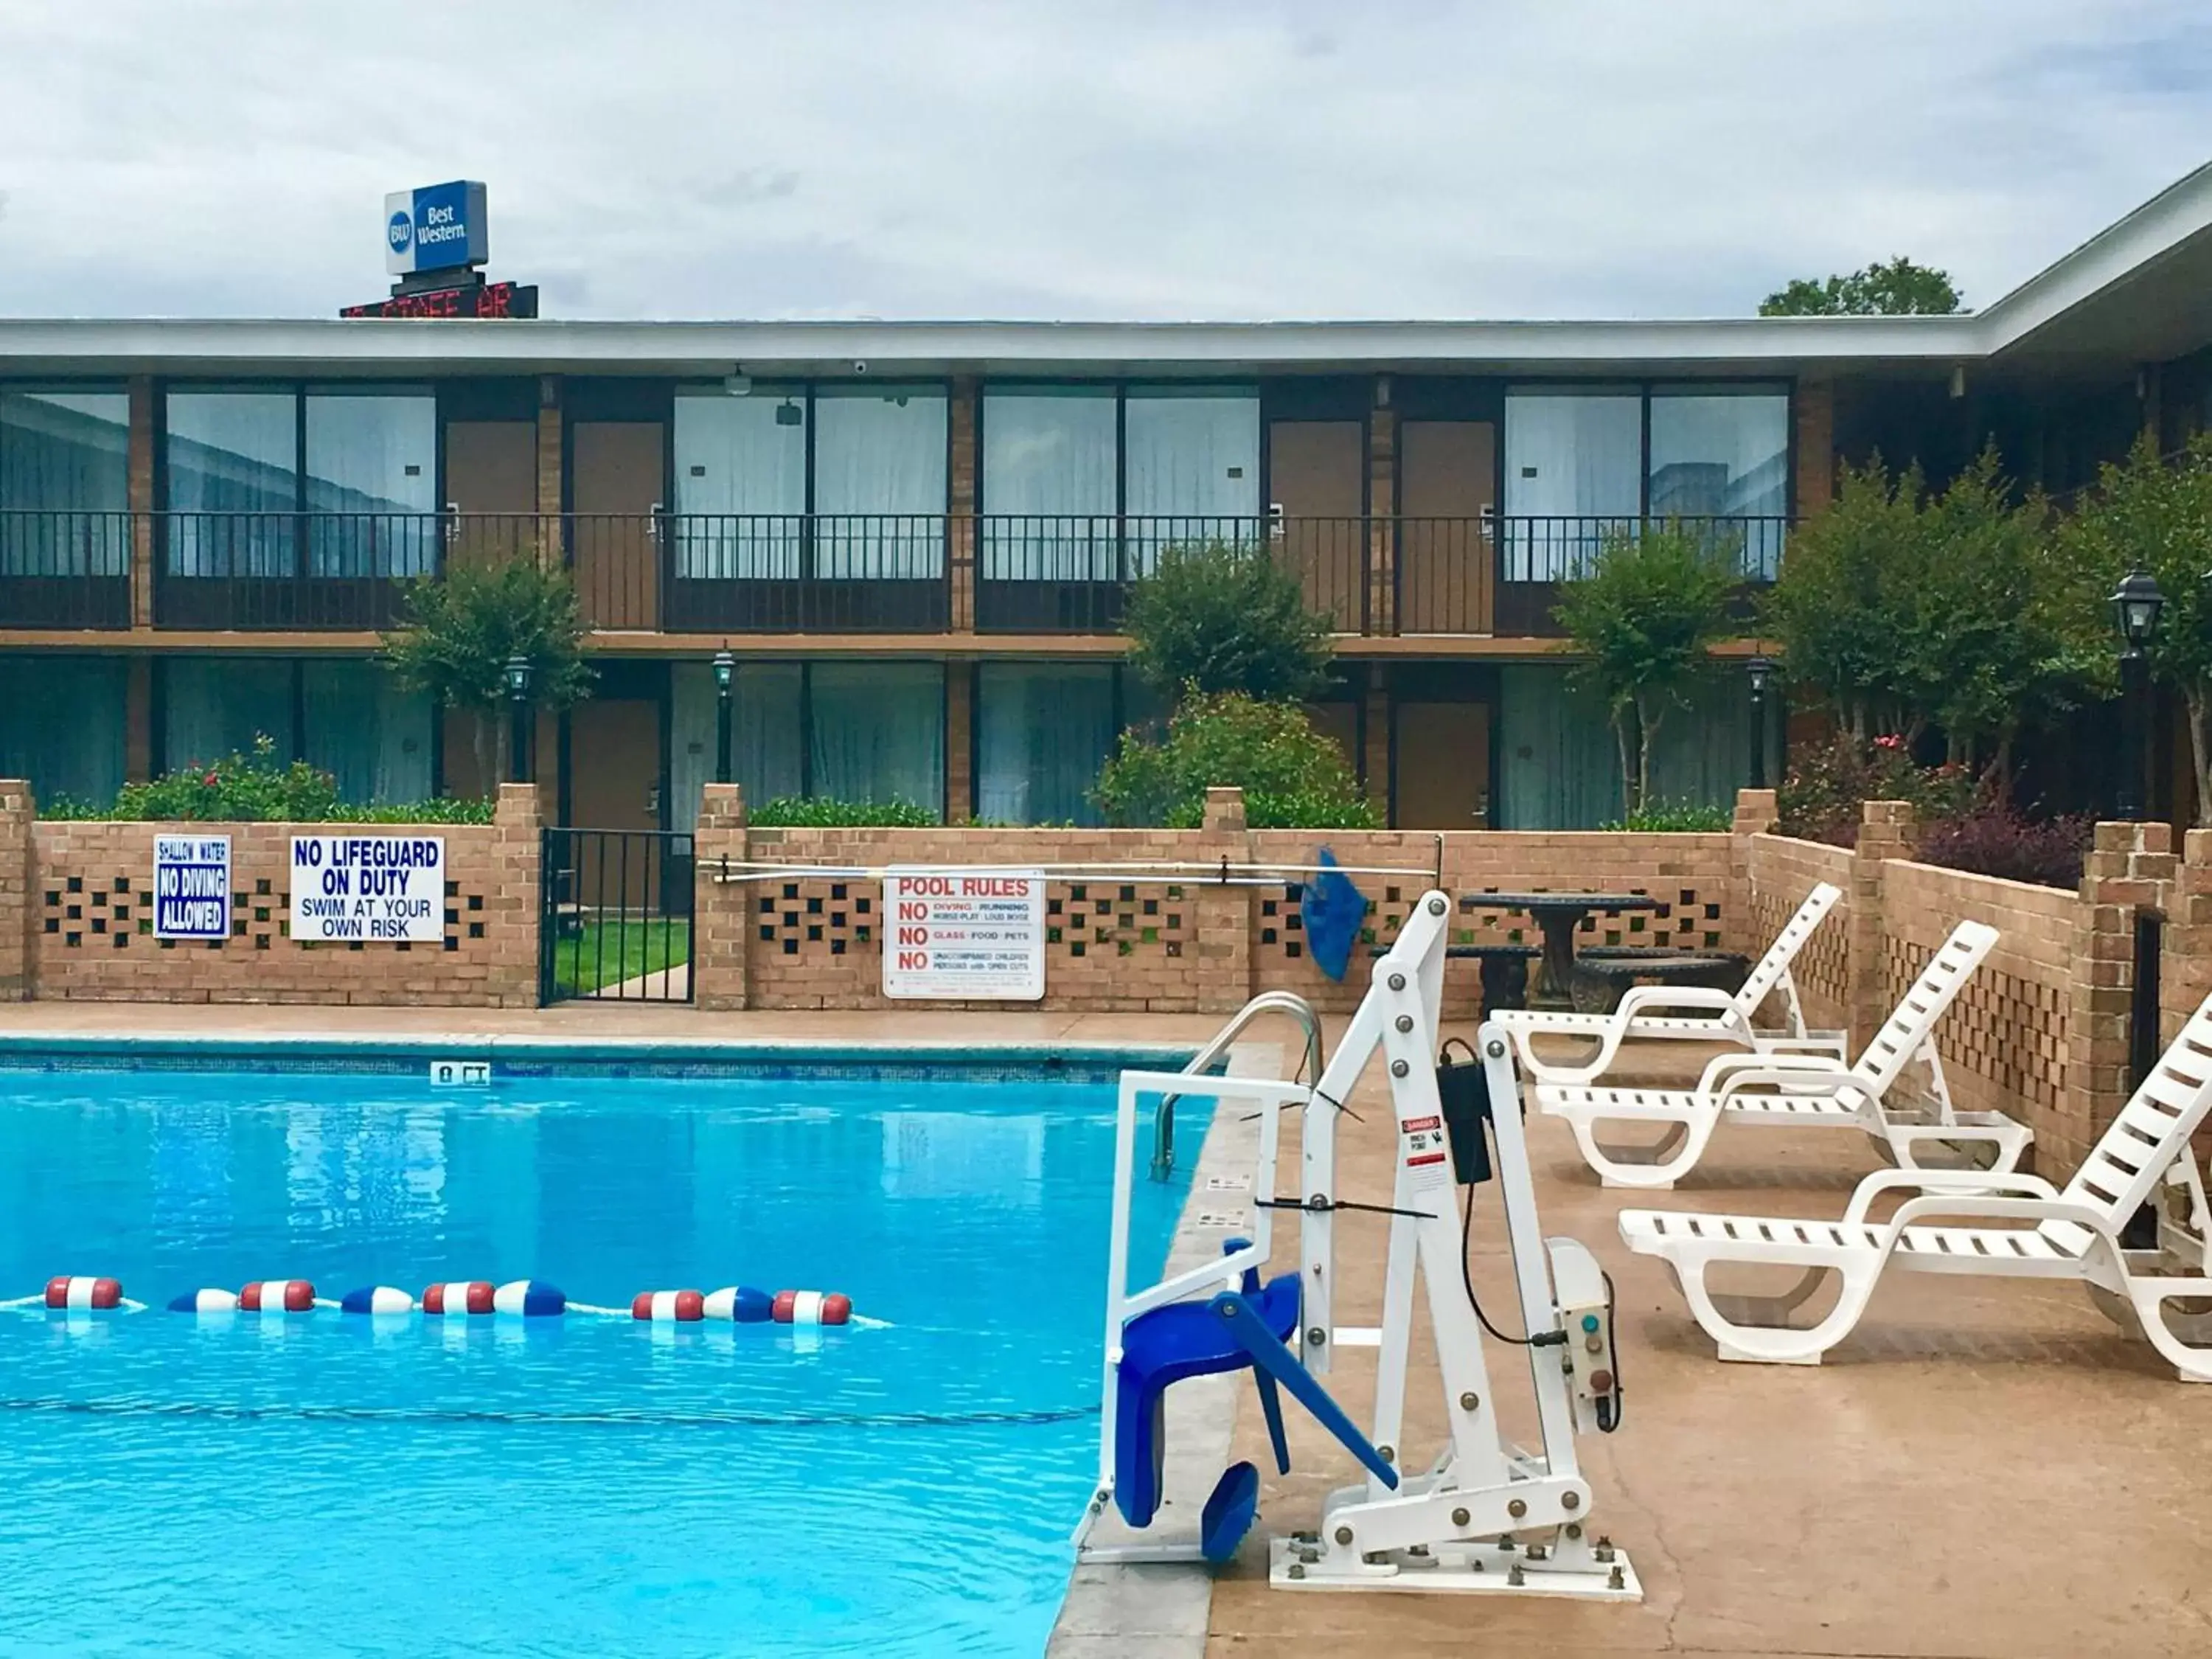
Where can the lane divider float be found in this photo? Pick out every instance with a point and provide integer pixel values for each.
(520, 1299)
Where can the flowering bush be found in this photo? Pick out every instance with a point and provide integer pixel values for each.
(255, 789)
(1293, 777)
(1820, 800)
(1996, 839)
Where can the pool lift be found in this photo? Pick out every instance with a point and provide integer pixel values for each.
(1484, 1515)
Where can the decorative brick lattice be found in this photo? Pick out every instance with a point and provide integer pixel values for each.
(1092, 919)
(2005, 1030)
(818, 918)
(1823, 966)
(1685, 920)
(110, 912)
(1279, 923)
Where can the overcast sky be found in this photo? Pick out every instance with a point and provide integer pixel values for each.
(1183, 159)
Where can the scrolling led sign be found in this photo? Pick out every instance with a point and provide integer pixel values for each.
(513, 299)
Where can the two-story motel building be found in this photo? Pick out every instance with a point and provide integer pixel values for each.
(915, 537)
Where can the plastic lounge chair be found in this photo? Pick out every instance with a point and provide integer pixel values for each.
(1806, 1089)
(1695, 1012)
(2073, 1233)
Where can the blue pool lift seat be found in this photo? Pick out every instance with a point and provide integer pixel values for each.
(1234, 1331)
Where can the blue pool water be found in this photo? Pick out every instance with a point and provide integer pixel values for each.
(334, 1485)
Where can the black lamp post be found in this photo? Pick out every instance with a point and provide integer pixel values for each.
(726, 671)
(2136, 604)
(1760, 670)
(518, 707)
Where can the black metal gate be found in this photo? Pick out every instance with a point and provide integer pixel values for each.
(615, 916)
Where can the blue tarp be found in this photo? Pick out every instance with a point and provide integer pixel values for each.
(1332, 912)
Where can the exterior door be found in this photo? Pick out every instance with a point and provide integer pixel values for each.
(1441, 766)
(491, 484)
(1447, 483)
(1317, 502)
(614, 541)
(614, 783)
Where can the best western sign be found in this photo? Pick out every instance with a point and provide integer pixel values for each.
(437, 228)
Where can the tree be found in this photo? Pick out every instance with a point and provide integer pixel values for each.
(1219, 618)
(1293, 777)
(461, 629)
(2149, 513)
(1900, 289)
(1644, 619)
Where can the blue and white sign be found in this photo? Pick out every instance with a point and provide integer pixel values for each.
(191, 887)
(380, 890)
(436, 227)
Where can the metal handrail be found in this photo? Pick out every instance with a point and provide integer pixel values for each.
(1268, 1002)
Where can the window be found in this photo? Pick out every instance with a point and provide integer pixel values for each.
(740, 484)
(62, 725)
(232, 453)
(1193, 461)
(366, 730)
(64, 483)
(765, 761)
(372, 468)
(1042, 730)
(879, 464)
(215, 706)
(1724, 453)
(876, 731)
(1574, 470)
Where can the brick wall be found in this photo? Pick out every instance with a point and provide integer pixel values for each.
(1781, 872)
(80, 899)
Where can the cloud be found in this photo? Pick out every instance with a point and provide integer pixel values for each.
(1148, 160)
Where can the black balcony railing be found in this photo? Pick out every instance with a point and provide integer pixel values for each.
(215, 570)
(808, 574)
(1535, 553)
(64, 569)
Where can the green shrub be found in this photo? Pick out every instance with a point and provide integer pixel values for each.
(1820, 800)
(1293, 777)
(800, 812)
(256, 789)
(1221, 619)
(1677, 818)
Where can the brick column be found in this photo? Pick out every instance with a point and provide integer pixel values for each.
(1756, 814)
(138, 720)
(16, 875)
(959, 741)
(1224, 914)
(1814, 412)
(720, 910)
(1381, 515)
(1886, 831)
(138, 487)
(516, 849)
(2185, 976)
(1375, 739)
(960, 503)
(2130, 867)
(550, 469)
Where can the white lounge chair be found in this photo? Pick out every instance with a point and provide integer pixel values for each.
(2073, 1233)
(1783, 1089)
(1697, 1013)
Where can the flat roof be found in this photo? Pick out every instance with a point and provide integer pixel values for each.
(2135, 291)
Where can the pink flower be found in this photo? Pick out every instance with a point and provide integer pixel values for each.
(209, 780)
(1889, 742)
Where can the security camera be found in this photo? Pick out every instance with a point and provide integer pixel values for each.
(861, 366)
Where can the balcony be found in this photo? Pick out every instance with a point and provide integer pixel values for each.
(1373, 576)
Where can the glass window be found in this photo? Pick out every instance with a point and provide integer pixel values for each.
(1574, 470)
(1723, 452)
(879, 464)
(1050, 484)
(215, 706)
(64, 483)
(366, 731)
(1042, 730)
(1193, 460)
(62, 725)
(230, 453)
(877, 733)
(740, 484)
(764, 737)
(372, 464)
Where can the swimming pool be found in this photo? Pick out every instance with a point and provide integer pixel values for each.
(330, 1484)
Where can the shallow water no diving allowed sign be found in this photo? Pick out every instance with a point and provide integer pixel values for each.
(191, 887)
(964, 935)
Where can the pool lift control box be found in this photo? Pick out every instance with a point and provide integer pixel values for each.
(1481, 1515)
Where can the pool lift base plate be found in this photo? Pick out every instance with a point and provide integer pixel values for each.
(1484, 1567)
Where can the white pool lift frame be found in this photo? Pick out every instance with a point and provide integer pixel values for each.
(1484, 1516)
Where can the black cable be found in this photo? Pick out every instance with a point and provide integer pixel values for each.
(1542, 1339)
(1319, 1205)
(1611, 1421)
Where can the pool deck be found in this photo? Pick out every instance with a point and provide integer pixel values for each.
(1985, 1471)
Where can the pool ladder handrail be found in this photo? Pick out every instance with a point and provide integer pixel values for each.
(1268, 1002)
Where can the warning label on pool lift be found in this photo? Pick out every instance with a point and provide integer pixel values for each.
(964, 935)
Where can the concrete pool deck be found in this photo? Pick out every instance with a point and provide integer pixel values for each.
(1984, 1471)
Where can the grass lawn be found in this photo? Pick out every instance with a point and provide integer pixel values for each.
(606, 953)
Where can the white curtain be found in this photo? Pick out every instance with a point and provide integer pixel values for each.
(366, 731)
(764, 735)
(1042, 730)
(879, 452)
(231, 452)
(63, 457)
(740, 484)
(372, 458)
(877, 732)
(1574, 469)
(215, 707)
(62, 725)
(1192, 464)
(1724, 453)
(1050, 484)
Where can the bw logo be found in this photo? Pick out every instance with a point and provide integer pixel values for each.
(401, 231)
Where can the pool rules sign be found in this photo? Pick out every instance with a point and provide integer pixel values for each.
(191, 887)
(380, 890)
(965, 936)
